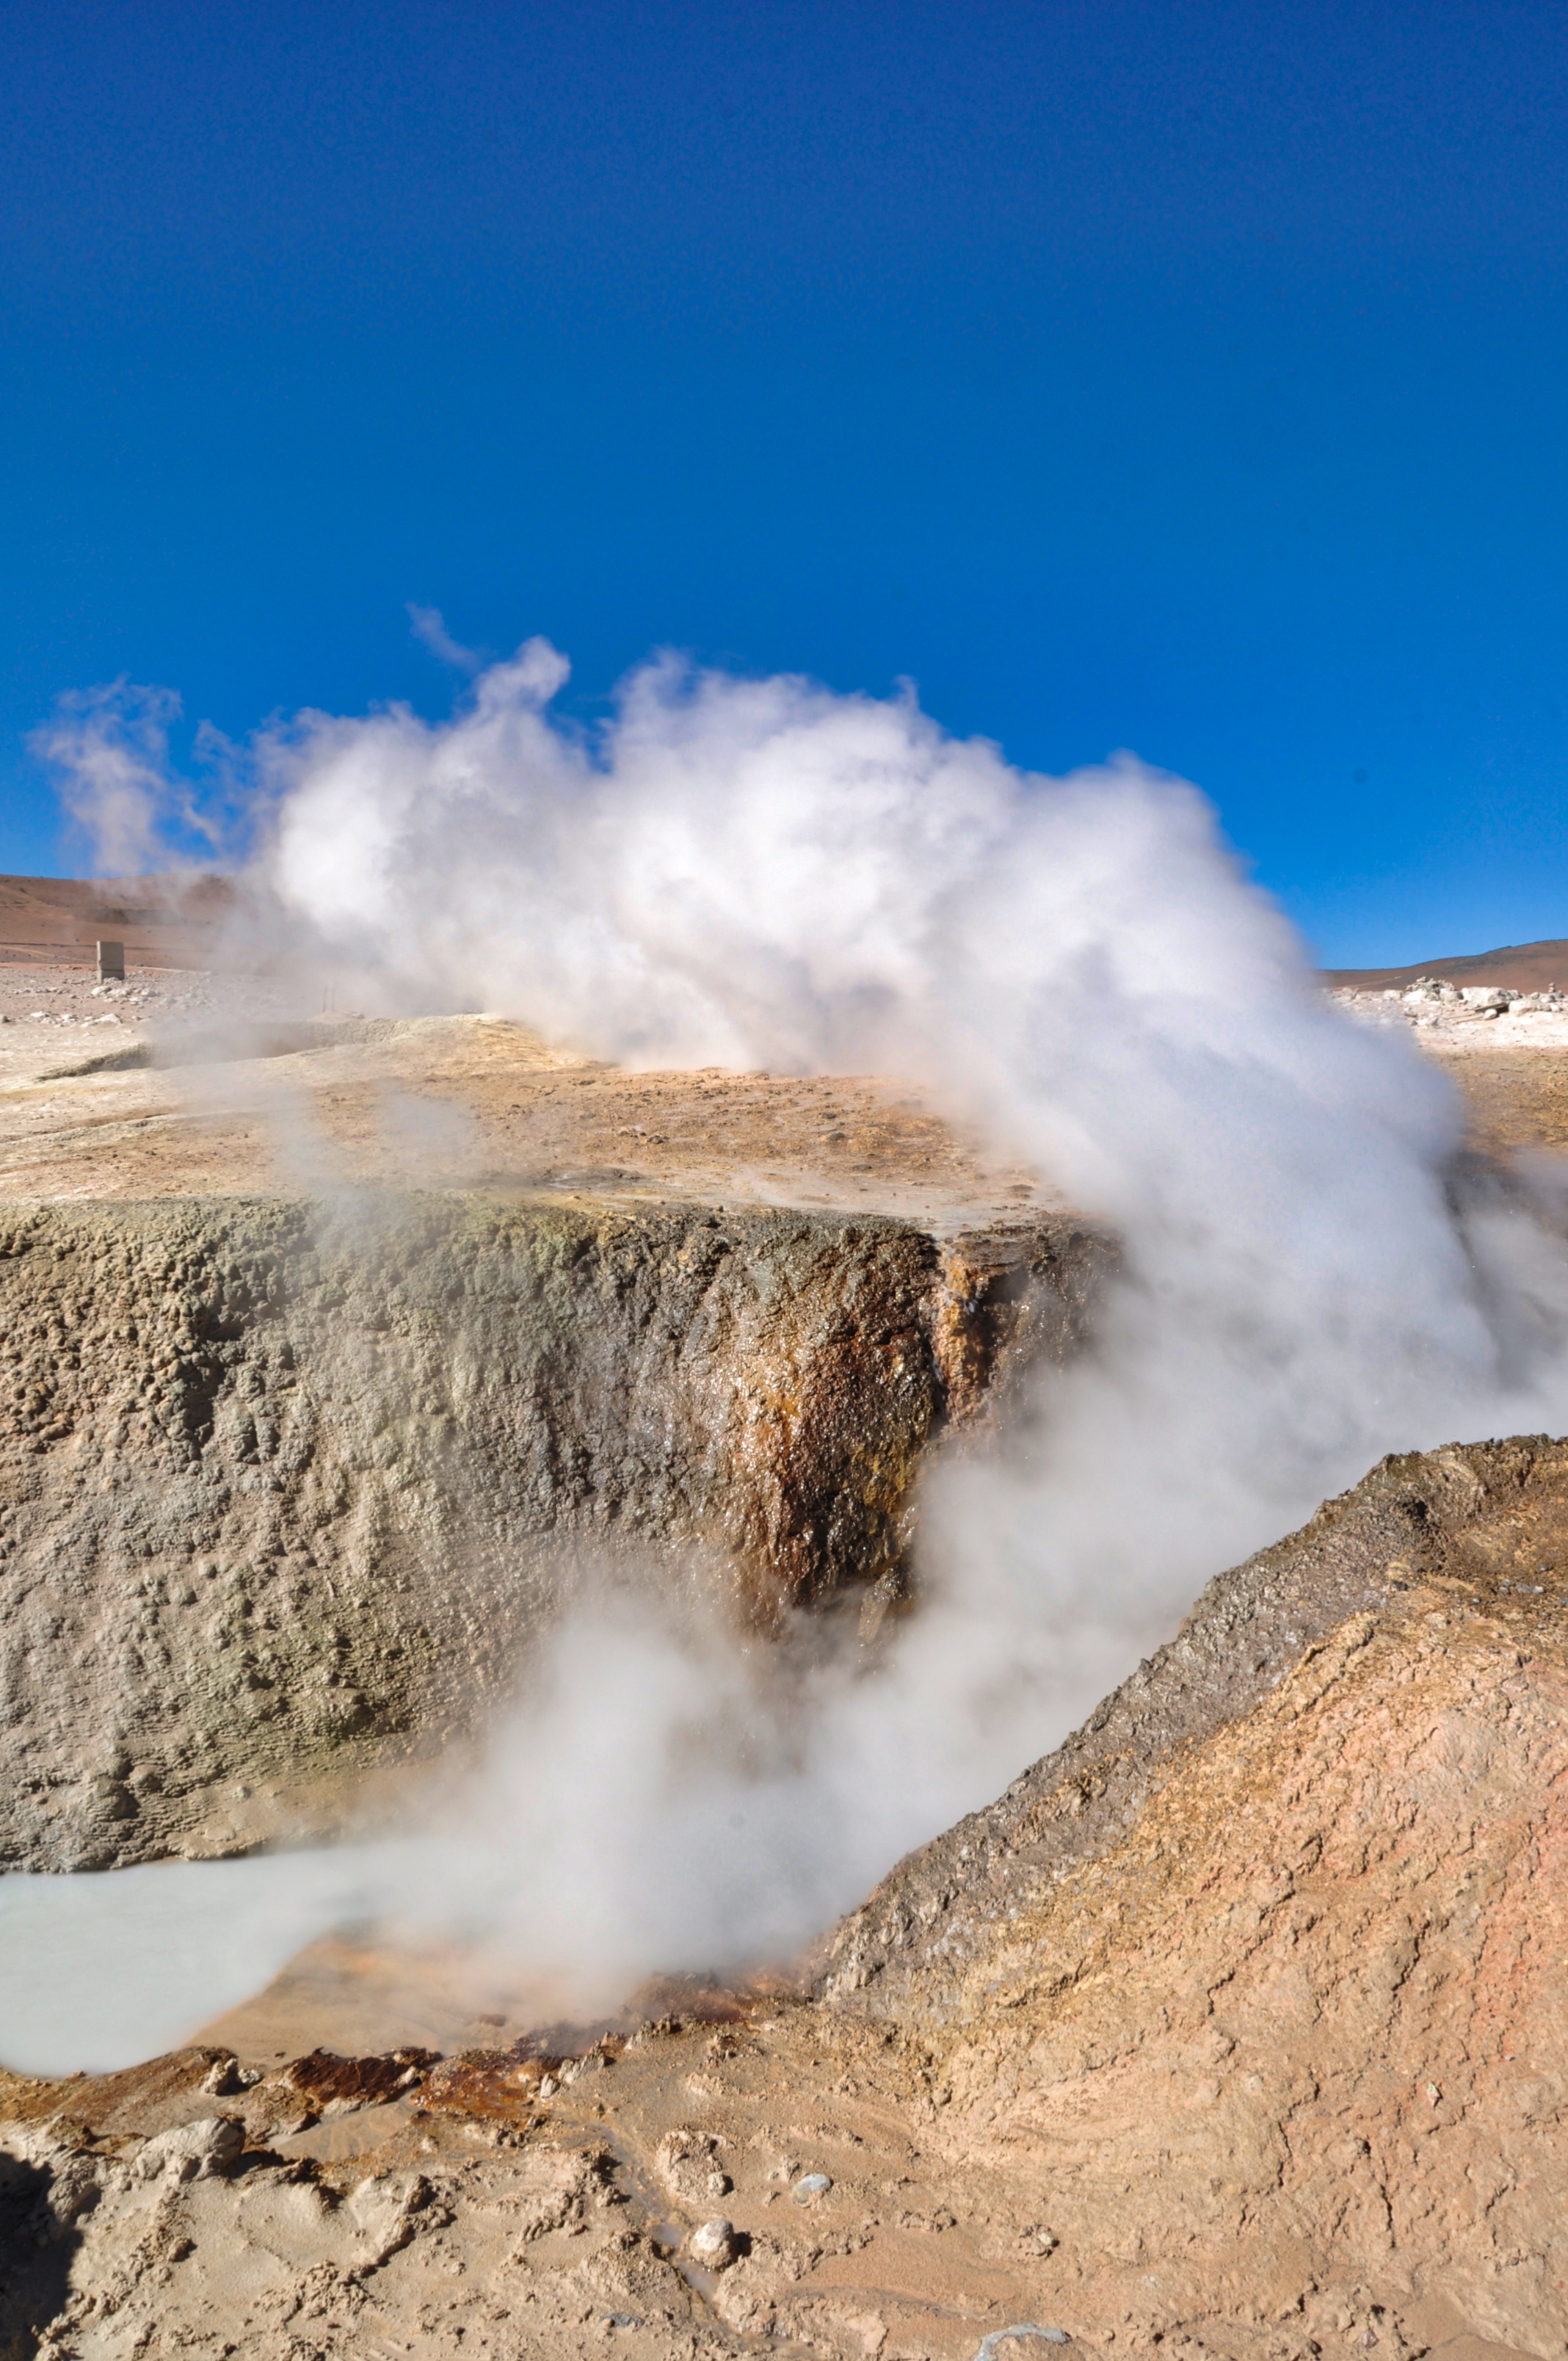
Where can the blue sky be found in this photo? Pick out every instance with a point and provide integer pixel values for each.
(1189, 378)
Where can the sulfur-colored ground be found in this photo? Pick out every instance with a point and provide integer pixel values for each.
(255, 1097)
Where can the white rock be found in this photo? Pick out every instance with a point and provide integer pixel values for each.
(991, 2348)
(714, 2245)
(192, 2151)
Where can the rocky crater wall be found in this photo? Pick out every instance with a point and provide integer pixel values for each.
(287, 1490)
(1483, 1525)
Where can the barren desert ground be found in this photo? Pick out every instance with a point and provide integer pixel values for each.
(1235, 2028)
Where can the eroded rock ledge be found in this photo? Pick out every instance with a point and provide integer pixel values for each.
(288, 1488)
(1486, 1523)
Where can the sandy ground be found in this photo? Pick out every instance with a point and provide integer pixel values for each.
(1518, 1092)
(1513, 1069)
(256, 1096)
(248, 1092)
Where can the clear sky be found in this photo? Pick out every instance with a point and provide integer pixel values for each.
(1190, 377)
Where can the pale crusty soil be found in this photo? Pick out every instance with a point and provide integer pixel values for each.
(1518, 1097)
(251, 1092)
(1512, 1069)
(1273, 2061)
(255, 1097)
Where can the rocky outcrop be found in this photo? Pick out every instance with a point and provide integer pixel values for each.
(288, 1488)
(1488, 1522)
(1257, 1982)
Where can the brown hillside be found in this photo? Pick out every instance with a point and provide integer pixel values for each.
(1523, 967)
(168, 922)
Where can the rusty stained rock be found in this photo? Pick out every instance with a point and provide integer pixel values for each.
(287, 1490)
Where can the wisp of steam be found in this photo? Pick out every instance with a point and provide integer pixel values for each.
(763, 873)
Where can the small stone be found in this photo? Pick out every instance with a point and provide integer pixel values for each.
(714, 2245)
(991, 2349)
(192, 2151)
(548, 2086)
(810, 2185)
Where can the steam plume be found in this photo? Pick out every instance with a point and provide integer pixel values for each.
(763, 873)
(109, 748)
(429, 626)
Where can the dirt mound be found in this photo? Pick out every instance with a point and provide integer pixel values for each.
(1486, 1523)
(1266, 1967)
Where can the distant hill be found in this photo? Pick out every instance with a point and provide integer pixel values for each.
(177, 922)
(1527, 967)
(171, 922)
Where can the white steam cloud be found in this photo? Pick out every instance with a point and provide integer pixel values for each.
(429, 627)
(109, 750)
(761, 874)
